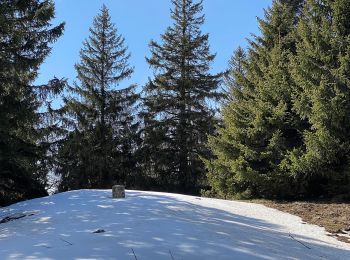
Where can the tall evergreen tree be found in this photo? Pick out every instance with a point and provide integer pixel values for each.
(25, 37)
(102, 136)
(321, 68)
(260, 126)
(177, 115)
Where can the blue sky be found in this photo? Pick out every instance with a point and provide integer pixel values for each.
(228, 22)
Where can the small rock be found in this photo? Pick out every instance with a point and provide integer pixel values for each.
(118, 191)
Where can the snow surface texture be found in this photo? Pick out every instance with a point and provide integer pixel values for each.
(150, 225)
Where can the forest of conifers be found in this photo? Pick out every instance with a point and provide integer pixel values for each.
(274, 124)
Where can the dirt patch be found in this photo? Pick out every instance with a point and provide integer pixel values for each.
(334, 217)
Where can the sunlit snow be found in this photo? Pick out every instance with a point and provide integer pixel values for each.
(149, 225)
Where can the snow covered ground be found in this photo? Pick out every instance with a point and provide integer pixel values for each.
(149, 225)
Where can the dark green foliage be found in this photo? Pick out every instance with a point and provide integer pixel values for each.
(25, 37)
(260, 125)
(321, 68)
(102, 137)
(177, 115)
(287, 124)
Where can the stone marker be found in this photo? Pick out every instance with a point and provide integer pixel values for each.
(118, 191)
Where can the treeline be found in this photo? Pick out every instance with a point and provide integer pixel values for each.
(282, 131)
(149, 140)
(104, 132)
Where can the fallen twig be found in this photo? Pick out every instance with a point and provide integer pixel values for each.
(98, 231)
(299, 241)
(69, 243)
(11, 218)
(48, 247)
(14, 216)
(134, 253)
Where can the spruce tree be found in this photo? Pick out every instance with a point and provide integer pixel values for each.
(102, 133)
(321, 69)
(260, 126)
(25, 37)
(177, 113)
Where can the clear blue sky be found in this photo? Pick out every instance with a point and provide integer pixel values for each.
(228, 22)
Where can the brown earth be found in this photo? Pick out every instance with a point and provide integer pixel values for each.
(334, 217)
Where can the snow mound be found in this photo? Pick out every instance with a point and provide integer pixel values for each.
(89, 224)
